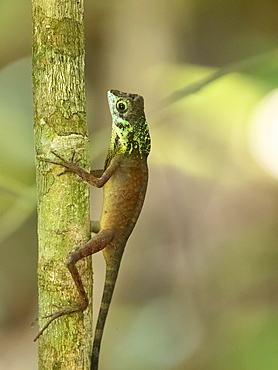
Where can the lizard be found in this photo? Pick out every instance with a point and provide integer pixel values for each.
(124, 181)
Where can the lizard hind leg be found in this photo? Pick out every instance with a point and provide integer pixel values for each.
(94, 245)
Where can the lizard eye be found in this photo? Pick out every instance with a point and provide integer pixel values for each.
(121, 106)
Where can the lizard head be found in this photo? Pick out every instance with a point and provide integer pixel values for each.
(129, 127)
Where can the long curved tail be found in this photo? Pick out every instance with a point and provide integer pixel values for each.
(109, 285)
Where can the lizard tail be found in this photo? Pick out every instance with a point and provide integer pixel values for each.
(109, 285)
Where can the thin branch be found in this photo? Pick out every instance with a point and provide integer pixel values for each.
(239, 66)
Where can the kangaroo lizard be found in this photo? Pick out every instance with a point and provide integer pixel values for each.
(124, 181)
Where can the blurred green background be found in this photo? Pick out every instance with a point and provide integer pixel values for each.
(198, 287)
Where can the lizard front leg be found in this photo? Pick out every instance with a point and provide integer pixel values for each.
(94, 245)
(85, 175)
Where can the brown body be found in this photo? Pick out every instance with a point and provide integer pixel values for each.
(123, 197)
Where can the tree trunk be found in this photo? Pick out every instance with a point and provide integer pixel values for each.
(63, 201)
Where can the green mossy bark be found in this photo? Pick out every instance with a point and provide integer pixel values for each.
(63, 201)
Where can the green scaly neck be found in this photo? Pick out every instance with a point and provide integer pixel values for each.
(129, 139)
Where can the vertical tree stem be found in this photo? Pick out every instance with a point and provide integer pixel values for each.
(63, 201)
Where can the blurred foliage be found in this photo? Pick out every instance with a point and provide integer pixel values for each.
(217, 116)
(18, 193)
(198, 284)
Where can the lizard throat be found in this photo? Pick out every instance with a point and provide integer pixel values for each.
(129, 139)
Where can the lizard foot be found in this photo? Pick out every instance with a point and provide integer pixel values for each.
(53, 316)
(68, 165)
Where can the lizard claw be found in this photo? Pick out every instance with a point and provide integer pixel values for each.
(64, 172)
(58, 156)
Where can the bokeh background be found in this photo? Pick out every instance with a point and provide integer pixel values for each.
(198, 287)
